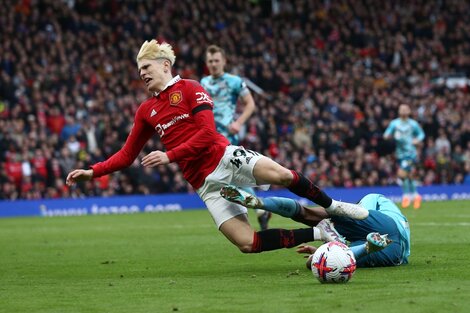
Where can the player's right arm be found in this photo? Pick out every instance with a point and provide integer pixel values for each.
(248, 110)
(139, 135)
(306, 249)
(418, 133)
(79, 175)
(390, 130)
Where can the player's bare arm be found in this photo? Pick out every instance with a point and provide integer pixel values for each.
(78, 175)
(249, 103)
(306, 249)
(155, 158)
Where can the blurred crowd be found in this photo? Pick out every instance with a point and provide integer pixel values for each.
(332, 73)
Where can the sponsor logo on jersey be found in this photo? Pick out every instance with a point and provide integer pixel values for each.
(153, 113)
(176, 97)
(202, 97)
(160, 128)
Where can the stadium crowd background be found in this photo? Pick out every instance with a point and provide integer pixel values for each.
(333, 75)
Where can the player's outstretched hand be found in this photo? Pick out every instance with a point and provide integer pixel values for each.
(78, 176)
(234, 128)
(306, 249)
(155, 158)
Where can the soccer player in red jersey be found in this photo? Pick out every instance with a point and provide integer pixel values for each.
(180, 112)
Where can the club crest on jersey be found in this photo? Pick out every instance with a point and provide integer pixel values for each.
(176, 97)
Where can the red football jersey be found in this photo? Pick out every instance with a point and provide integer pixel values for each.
(182, 116)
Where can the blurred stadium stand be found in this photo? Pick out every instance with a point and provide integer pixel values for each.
(333, 74)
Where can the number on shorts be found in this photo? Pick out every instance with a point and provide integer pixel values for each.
(242, 153)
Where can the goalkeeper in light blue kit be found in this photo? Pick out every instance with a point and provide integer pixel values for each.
(381, 239)
(226, 90)
(384, 218)
(407, 134)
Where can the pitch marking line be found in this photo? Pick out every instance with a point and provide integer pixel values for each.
(463, 224)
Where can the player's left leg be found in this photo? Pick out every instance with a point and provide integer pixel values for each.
(246, 168)
(266, 171)
(231, 219)
(282, 206)
(415, 196)
(323, 228)
(403, 174)
(238, 230)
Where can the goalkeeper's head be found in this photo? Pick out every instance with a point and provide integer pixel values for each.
(154, 62)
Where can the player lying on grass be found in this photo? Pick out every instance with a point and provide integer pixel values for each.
(180, 112)
(384, 218)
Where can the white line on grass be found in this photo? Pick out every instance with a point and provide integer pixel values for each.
(461, 215)
(432, 224)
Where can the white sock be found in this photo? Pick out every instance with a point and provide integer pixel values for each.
(333, 205)
(259, 212)
(316, 234)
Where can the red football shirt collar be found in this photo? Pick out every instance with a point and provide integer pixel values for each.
(173, 81)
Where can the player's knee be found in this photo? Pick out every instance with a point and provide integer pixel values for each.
(285, 177)
(246, 248)
(244, 243)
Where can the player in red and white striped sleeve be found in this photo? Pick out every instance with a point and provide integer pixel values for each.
(180, 112)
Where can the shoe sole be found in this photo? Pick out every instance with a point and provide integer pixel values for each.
(331, 230)
(232, 194)
(377, 245)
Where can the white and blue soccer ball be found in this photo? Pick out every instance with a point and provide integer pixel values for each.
(333, 262)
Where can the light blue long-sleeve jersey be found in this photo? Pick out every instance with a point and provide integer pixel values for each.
(380, 203)
(404, 131)
(225, 91)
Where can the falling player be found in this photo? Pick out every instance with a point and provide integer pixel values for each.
(180, 112)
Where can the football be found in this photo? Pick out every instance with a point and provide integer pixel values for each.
(333, 262)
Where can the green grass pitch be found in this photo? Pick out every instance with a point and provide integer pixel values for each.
(179, 262)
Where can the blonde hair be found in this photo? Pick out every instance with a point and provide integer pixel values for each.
(152, 50)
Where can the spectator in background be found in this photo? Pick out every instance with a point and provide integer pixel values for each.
(73, 58)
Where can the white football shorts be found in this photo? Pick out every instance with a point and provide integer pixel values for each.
(235, 168)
